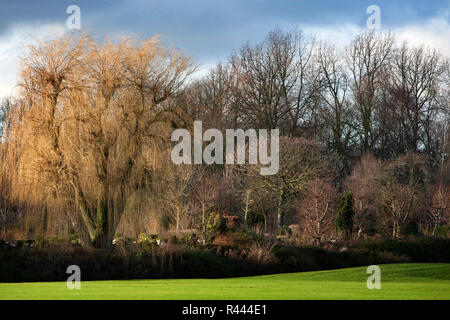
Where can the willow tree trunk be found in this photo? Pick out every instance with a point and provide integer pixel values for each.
(101, 235)
(44, 222)
(99, 230)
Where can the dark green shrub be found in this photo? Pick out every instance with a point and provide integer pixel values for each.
(443, 232)
(176, 261)
(213, 224)
(19, 244)
(253, 219)
(285, 231)
(148, 239)
(344, 218)
(415, 250)
(74, 239)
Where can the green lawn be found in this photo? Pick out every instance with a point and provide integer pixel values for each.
(398, 281)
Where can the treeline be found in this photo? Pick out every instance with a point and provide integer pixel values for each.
(364, 147)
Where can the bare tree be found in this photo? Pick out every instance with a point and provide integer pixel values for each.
(300, 160)
(212, 98)
(416, 76)
(367, 59)
(335, 108)
(5, 107)
(440, 204)
(402, 190)
(179, 193)
(273, 85)
(400, 201)
(317, 210)
(364, 182)
(206, 195)
(94, 124)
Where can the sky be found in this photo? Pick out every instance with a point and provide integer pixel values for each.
(208, 30)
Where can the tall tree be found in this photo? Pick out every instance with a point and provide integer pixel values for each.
(344, 218)
(300, 161)
(335, 110)
(95, 120)
(367, 58)
(415, 83)
(317, 210)
(274, 84)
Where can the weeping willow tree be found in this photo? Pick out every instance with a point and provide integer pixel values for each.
(88, 133)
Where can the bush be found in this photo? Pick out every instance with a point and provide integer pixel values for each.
(74, 239)
(415, 250)
(248, 257)
(344, 218)
(285, 231)
(148, 239)
(293, 259)
(254, 219)
(50, 264)
(214, 224)
(443, 232)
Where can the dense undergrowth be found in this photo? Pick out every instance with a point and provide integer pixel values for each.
(142, 261)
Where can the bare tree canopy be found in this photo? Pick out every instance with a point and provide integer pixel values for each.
(93, 122)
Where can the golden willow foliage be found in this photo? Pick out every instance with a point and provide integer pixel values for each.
(91, 126)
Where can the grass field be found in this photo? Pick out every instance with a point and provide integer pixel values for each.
(398, 281)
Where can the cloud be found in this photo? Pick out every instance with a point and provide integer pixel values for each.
(434, 33)
(208, 31)
(13, 45)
